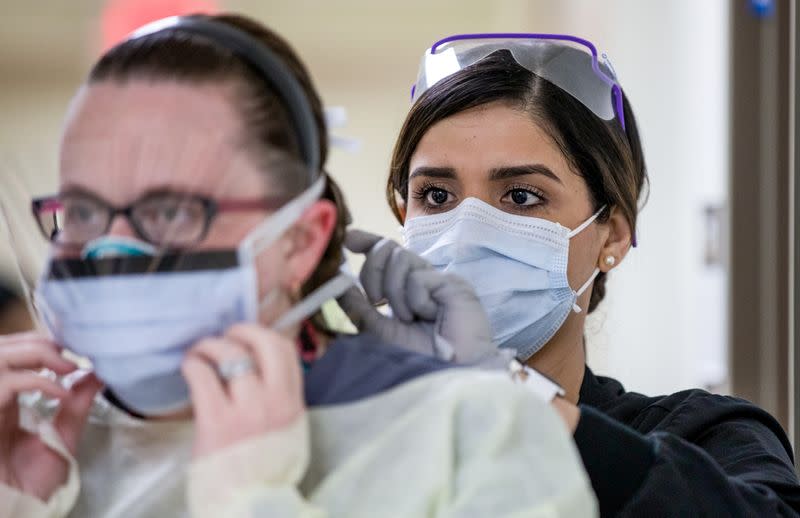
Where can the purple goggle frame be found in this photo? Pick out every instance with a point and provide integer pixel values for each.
(616, 91)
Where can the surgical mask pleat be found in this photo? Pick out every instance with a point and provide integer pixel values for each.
(517, 265)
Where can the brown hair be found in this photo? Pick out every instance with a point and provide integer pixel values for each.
(609, 159)
(181, 56)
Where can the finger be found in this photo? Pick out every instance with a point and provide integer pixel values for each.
(421, 286)
(206, 390)
(394, 283)
(368, 319)
(12, 383)
(218, 351)
(33, 355)
(29, 336)
(360, 311)
(276, 355)
(453, 291)
(360, 241)
(373, 271)
(74, 410)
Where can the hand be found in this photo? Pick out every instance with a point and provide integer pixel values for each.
(26, 463)
(266, 398)
(434, 312)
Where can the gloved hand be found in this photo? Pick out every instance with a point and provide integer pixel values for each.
(433, 312)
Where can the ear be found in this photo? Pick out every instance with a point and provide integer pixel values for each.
(309, 239)
(617, 243)
(400, 203)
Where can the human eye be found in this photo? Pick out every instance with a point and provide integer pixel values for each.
(523, 197)
(433, 196)
(78, 212)
(74, 219)
(165, 218)
(167, 210)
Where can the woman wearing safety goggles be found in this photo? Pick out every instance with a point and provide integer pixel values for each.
(520, 169)
(194, 237)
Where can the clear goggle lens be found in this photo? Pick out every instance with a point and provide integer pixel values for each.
(567, 62)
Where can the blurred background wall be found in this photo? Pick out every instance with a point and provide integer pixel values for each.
(664, 324)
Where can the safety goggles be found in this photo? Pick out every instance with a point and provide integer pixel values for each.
(568, 62)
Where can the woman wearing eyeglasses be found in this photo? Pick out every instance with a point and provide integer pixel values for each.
(193, 238)
(519, 168)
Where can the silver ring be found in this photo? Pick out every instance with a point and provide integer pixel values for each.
(230, 369)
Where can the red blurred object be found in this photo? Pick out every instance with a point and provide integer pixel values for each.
(122, 17)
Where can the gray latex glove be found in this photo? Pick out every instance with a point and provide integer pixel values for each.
(433, 312)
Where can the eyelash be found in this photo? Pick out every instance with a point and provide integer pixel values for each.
(529, 189)
(421, 193)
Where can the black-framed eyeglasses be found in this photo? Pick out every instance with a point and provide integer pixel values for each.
(164, 219)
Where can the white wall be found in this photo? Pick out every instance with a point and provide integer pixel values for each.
(663, 326)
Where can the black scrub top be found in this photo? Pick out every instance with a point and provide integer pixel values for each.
(688, 454)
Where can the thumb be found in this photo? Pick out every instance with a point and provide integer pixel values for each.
(361, 241)
(74, 410)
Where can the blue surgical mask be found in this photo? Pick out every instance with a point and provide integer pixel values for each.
(135, 315)
(517, 265)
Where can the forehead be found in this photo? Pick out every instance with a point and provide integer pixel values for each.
(486, 137)
(122, 139)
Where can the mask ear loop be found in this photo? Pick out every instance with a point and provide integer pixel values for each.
(575, 307)
(331, 289)
(577, 230)
(267, 232)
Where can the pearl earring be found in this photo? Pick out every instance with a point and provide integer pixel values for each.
(610, 260)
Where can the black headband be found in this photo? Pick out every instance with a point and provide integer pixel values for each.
(273, 70)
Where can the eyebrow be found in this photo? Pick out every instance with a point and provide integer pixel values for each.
(78, 189)
(433, 172)
(155, 190)
(498, 173)
(504, 173)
